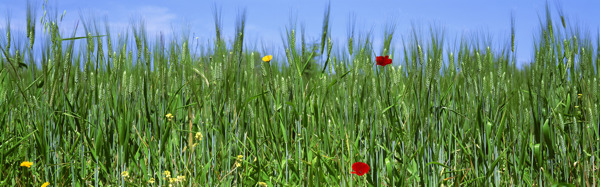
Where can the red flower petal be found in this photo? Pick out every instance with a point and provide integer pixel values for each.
(360, 168)
(383, 61)
(379, 59)
(388, 60)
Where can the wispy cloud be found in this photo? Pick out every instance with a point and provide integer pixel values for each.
(156, 19)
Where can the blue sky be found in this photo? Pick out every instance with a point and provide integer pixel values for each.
(267, 19)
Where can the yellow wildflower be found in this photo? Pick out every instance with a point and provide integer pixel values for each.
(267, 58)
(238, 162)
(262, 184)
(26, 164)
(181, 178)
(167, 174)
(125, 174)
(172, 180)
(169, 116)
(199, 136)
(151, 181)
(579, 95)
(45, 184)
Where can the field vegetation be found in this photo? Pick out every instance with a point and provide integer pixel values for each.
(131, 109)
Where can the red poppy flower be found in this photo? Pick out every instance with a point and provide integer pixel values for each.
(360, 168)
(382, 61)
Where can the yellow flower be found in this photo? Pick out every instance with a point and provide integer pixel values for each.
(267, 58)
(262, 184)
(151, 181)
(167, 174)
(238, 162)
(172, 180)
(45, 184)
(125, 174)
(169, 116)
(199, 136)
(579, 95)
(26, 164)
(180, 178)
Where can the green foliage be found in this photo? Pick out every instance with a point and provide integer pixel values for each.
(109, 111)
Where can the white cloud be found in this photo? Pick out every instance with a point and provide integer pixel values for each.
(156, 19)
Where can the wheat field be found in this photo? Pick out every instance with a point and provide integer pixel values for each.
(130, 109)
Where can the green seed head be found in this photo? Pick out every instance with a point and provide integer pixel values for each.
(420, 51)
(350, 45)
(288, 54)
(131, 82)
(8, 39)
(329, 45)
(93, 81)
(284, 86)
(124, 81)
(252, 60)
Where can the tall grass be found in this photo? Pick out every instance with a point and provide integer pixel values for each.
(122, 109)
